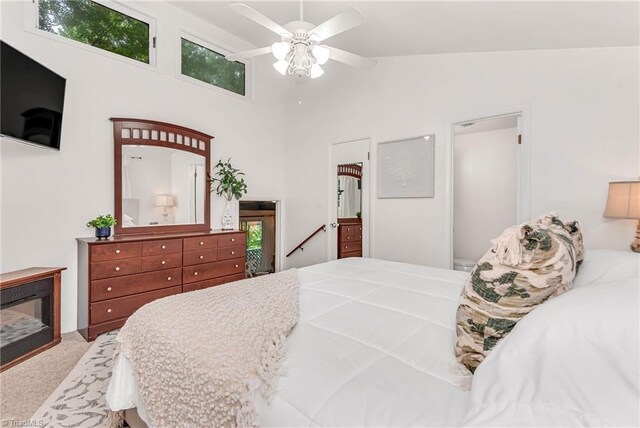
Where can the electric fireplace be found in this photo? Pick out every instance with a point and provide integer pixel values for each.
(29, 313)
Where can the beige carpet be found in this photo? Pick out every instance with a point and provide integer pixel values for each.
(25, 387)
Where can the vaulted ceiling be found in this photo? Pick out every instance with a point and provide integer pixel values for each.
(395, 28)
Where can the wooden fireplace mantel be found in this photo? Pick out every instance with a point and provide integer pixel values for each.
(26, 276)
(22, 276)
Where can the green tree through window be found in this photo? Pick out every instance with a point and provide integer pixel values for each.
(213, 68)
(96, 25)
(254, 234)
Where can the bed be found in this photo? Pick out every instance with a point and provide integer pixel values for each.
(374, 347)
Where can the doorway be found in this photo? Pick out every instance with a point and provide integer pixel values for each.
(348, 200)
(487, 184)
(259, 219)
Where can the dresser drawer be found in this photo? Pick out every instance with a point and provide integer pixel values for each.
(198, 257)
(212, 282)
(212, 270)
(350, 246)
(165, 246)
(357, 253)
(232, 252)
(166, 261)
(200, 243)
(347, 238)
(113, 309)
(346, 233)
(357, 233)
(230, 267)
(110, 269)
(103, 289)
(232, 239)
(102, 252)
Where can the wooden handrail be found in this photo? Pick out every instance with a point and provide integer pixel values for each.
(323, 228)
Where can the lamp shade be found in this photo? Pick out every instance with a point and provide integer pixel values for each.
(164, 201)
(623, 200)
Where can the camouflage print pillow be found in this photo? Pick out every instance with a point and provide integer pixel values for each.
(526, 265)
(573, 227)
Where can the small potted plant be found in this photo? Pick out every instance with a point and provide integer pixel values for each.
(102, 224)
(227, 182)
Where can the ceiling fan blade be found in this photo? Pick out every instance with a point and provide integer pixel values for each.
(351, 59)
(248, 54)
(256, 16)
(342, 22)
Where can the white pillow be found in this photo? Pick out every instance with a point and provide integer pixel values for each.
(604, 265)
(575, 360)
(127, 220)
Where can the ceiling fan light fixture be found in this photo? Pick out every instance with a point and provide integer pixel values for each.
(280, 50)
(321, 54)
(281, 66)
(316, 71)
(299, 51)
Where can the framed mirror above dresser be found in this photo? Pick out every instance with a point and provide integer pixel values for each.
(163, 243)
(160, 177)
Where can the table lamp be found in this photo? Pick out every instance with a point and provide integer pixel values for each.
(624, 202)
(164, 201)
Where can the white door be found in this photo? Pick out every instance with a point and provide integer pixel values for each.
(353, 152)
(485, 184)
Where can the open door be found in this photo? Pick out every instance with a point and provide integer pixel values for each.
(349, 200)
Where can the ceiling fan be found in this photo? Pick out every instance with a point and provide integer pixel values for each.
(299, 51)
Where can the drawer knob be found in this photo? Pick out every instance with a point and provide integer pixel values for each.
(233, 252)
(201, 243)
(168, 278)
(117, 251)
(109, 310)
(117, 268)
(348, 237)
(233, 239)
(236, 265)
(163, 262)
(164, 247)
(201, 257)
(108, 288)
(195, 273)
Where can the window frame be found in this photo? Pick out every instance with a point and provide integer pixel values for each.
(31, 23)
(193, 38)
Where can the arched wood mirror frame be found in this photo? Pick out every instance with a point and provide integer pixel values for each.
(144, 132)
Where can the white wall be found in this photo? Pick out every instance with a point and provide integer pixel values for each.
(584, 132)
(47, 196)
(485, 186)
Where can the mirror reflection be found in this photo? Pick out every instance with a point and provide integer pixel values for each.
(162, 186)
(350, 190)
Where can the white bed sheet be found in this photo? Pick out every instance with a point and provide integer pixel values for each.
(373, 347)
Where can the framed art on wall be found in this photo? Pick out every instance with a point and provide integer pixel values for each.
(406, 168)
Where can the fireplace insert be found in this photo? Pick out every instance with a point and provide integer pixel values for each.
(26, 318)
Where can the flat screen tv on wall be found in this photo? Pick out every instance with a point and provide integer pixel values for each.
(31, 100)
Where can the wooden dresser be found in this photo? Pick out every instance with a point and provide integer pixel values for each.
(119, 275)
(349, 238)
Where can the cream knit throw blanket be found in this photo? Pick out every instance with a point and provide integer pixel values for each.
(201, 358)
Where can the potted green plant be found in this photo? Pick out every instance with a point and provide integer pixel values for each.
(227, 182)
(102, 224)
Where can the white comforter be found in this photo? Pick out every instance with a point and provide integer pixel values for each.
(374, 347)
